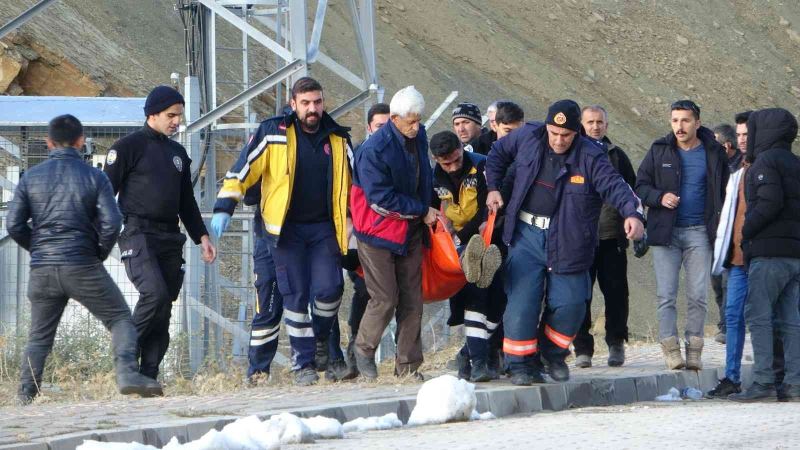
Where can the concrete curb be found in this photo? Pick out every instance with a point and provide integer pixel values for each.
(501, 401)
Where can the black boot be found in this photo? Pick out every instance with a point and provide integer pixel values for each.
(558, 371)
(480, 372)
(789, 393)
(366, 366)
(129, 379)
(351, 359)
(321, 355)
(464, 366)
(495, 364)
(26, 394)
(757, 392)
(132, 382)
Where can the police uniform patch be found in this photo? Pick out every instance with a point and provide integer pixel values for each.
(111, 157)
(560, 118)
(178, 163)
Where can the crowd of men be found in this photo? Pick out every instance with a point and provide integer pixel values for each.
(564, 201)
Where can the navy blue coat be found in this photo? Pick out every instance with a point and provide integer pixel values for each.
(386, 197)
(587, 181)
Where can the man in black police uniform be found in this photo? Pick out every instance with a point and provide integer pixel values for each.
(152, 175)
(74, 222)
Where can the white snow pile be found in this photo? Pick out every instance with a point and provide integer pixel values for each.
(443, 399)
(386, 422)
(97, 445)
(325, 428)
(482, 416)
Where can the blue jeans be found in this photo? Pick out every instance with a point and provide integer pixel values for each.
(734, 320)
(689, 248)
(773, 293)
(526, 274)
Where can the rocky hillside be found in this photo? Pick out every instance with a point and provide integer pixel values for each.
(633, 56)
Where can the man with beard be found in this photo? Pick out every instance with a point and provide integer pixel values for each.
(682, 181)
(301, 161)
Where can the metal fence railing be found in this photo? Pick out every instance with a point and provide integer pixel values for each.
(210, 320)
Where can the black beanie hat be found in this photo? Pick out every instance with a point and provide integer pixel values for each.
(468, 111)
(161, 98)
(565, 114)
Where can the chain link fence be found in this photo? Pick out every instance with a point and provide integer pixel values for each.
(210, 320)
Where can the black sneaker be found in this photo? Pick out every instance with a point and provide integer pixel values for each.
(464, 366)
(558, 371)
(757, 392)
(366, 366)
(725, 388)
(321, 355)
(305, 377)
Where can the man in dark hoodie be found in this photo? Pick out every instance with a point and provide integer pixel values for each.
(682, 181)
(771, 244)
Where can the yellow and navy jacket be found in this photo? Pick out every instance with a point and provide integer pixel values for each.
(269, 158)
(463, 204)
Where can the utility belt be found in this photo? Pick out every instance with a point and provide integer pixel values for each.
(149, 224)
(542, 222)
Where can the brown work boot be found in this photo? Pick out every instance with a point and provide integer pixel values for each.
(694, 348)
(471, 258)
(672, 353)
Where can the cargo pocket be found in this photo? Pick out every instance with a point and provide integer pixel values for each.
(133, 255)
(284, 284)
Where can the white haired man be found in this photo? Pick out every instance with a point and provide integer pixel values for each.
(390, 200)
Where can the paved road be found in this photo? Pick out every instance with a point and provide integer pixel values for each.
(691, 425)
(42, 419)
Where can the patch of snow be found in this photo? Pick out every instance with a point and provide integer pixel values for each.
(482, 416)
(443, 399)
(290, 429)
(324, 427)
(97, 445)
(386, 422)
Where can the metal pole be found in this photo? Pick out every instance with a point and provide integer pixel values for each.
(245, 73)
(193, 269)
(24, 17)
(278, 60)
(249, 29)
(435, 116)
(233, 103)
(297, 37)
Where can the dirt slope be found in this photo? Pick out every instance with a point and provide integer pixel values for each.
(633, 56)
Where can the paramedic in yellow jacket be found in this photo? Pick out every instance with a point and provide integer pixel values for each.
(302, 162)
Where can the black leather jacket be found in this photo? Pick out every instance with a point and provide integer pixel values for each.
(75, 218)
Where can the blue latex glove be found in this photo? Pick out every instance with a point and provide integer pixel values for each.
(219, 223)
